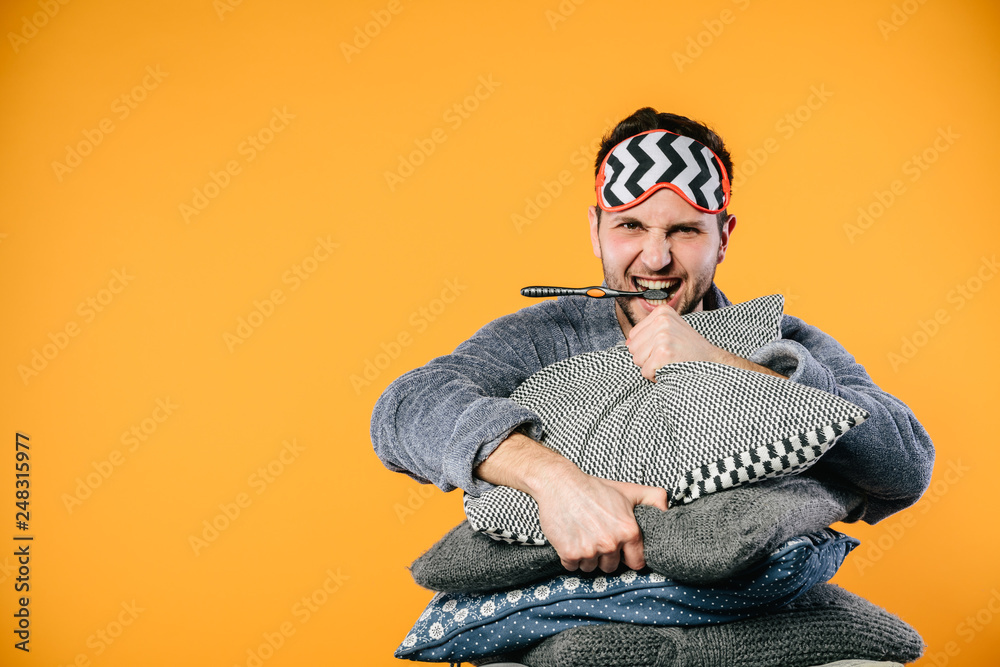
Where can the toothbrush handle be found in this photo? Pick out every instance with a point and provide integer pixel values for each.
(596, 292)
(537, 291)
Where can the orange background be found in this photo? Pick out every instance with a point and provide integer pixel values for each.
(883, 79)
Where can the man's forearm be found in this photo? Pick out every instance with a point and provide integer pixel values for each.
(524, 464)
(439, 422)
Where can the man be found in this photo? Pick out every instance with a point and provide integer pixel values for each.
(451, 422)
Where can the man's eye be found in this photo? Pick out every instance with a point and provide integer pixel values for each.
(631, 225)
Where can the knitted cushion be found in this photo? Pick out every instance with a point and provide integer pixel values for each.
(701, 427)
(825, 624)
(458, 626)
(704, 542)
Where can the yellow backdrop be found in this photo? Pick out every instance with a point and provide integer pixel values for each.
(227, 225)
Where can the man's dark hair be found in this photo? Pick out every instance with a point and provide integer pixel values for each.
(648, 118)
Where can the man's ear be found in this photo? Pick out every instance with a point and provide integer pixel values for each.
(724, 234)
(594, 239)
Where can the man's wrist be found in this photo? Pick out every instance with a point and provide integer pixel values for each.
(730, 359)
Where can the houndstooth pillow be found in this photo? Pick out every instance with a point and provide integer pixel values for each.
(701, 427)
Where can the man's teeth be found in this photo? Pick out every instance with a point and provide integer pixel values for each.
(656, 284)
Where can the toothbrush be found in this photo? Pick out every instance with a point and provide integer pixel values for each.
(595, 292)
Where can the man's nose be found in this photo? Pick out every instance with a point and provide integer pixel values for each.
(656, 252)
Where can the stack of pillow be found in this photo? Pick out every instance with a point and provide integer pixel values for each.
(743, 552)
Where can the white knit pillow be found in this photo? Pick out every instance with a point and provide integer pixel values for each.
(701, 427)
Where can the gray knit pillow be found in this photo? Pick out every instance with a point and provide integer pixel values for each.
(701, 427)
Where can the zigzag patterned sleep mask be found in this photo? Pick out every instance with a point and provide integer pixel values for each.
(642, 164)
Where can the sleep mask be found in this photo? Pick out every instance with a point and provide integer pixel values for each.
(642, 164)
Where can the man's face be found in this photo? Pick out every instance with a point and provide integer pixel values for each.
(662, 243)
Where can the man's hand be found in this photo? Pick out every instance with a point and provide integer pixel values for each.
(591, 522)
(664, 337)
(588, 520)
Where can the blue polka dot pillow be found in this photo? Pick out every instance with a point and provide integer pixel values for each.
(457, 627)
(700, 428)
